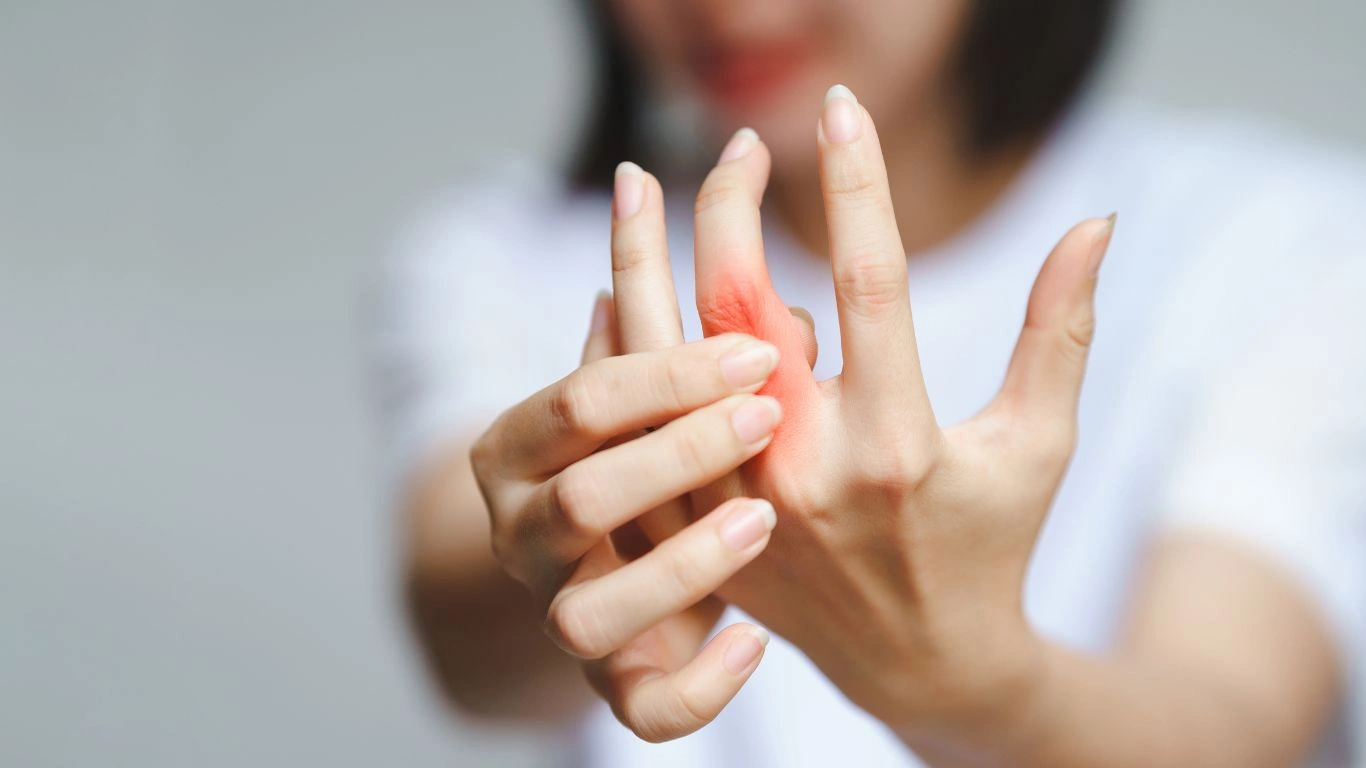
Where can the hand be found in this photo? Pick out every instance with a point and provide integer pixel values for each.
(900, 556)
(569, 466)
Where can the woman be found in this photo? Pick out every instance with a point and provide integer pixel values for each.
(1196, 595)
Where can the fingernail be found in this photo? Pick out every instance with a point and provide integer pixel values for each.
(841, 119)
(1101, 243)
(601, 307)
(748, 524)
(744, 650)
(756, 419)
(749, 365)
(628, 190)
(739, 145)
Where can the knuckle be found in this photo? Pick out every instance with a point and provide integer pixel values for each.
(662, 723)
(650, 734)
(694, 706)
(851, 185)
(577, 497)
(691, 449)
(646, 729)
(512, 552)
(812, 501)
(731, 306)
(899, 467)
(626, 256)
(871, 282)
(680, 578)
(481, 455)
(1079, 333)
(673, 381)
(729, 302)
(572, 626)
(1056, 446)
(501, 545)
(720, 188)
(573, 404)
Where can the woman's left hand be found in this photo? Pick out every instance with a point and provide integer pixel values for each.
(899, 556)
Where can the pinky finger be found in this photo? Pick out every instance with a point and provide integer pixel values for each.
(602, 335)
(663, 707)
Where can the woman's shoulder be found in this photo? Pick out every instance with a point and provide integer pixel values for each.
(515, 216)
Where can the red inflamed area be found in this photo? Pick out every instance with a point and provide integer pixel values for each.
(736, 301)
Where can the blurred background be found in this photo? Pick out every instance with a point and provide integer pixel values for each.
(197, 560)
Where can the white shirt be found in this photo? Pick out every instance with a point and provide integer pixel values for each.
(1226, 388)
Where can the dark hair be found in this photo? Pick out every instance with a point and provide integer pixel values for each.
(1019, 64)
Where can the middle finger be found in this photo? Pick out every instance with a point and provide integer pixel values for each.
(881, 363)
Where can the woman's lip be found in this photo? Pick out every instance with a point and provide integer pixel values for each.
(740, 75)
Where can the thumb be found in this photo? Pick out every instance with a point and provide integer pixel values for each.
(1043, 382)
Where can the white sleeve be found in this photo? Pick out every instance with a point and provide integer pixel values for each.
(1273, 452)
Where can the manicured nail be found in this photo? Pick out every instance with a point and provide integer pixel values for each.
(756, 419)
(749, 365)
(1100, 244)
(748, 524)
(841, 119)
(744, 650)
(739, 145)
(628, 190)
(602, 306)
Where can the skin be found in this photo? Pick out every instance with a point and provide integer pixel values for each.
(897, 560)
(763, 63)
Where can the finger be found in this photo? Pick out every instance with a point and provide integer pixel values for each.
(658, 705)
(601, 341)
(600, 493)
(574, 416)
(881, 365)
(806, 328)
(734, 293)
(1046, 370)
(647, 305)
(593, 617)
(728, 236)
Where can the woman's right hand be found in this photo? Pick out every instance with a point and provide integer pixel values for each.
(564, 469)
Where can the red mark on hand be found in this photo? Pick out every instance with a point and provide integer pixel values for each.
(734, 301)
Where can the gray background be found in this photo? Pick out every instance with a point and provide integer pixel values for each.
(196, 562)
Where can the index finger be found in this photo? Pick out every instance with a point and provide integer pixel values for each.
(609, 397)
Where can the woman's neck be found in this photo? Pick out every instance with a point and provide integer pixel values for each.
(938, 188)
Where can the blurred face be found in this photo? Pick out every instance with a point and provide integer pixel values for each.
(767, 63)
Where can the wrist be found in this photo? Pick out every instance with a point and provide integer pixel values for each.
(980, 693)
